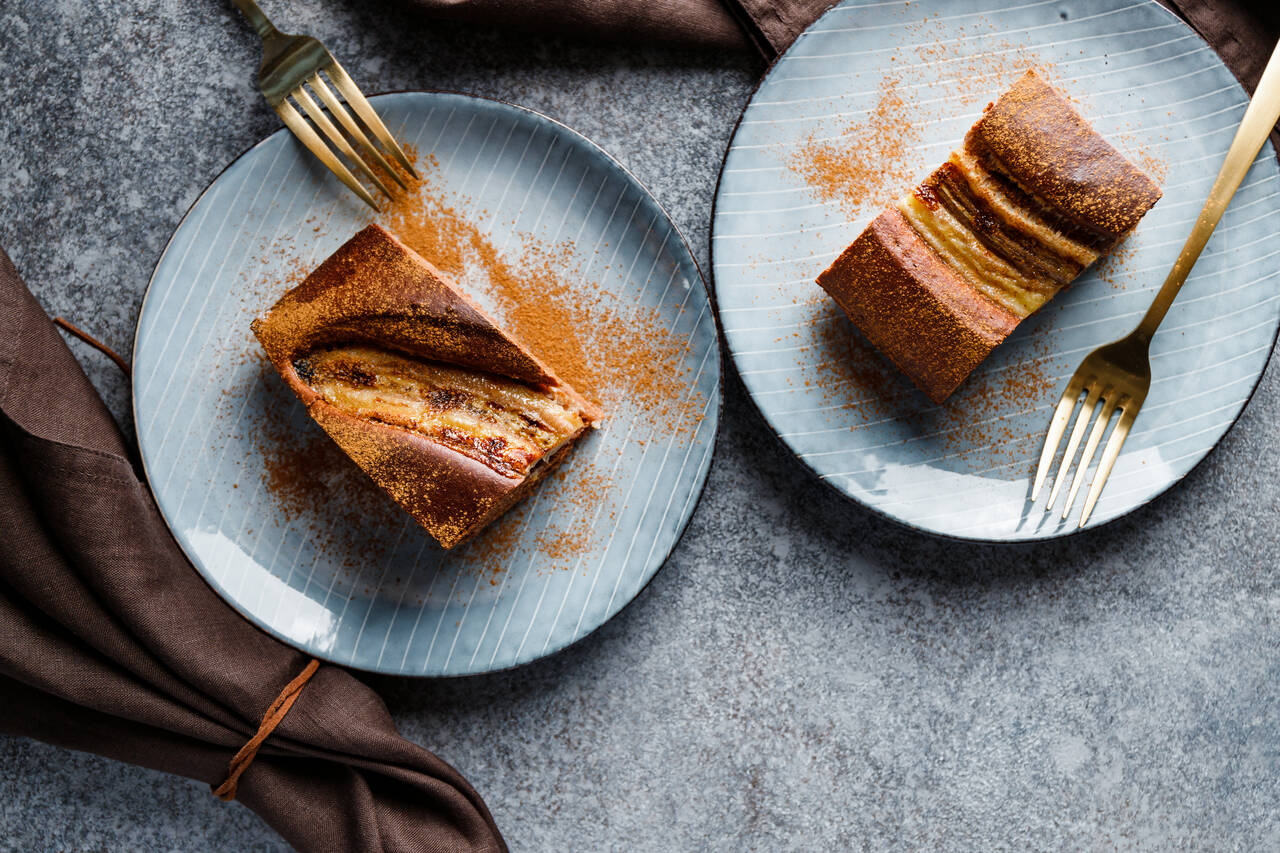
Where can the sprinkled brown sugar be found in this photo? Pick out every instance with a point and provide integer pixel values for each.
(563, 545)
(869, 161)
(612, 353)
(983, 414)
(1112, 265)
(559, 547)
(1149, 160)
(868, 158)
(843, 366)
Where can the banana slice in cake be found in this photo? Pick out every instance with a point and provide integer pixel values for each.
(448, 413)
(947, 272)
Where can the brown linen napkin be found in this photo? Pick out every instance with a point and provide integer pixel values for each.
(110, 642)
(1241, 31)
(696, 22)
(727, 24)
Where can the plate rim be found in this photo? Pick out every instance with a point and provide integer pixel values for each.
(705, 476)
(854, 499)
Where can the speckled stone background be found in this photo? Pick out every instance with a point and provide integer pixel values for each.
(801, 675)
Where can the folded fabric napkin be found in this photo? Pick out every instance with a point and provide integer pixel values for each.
(766, 26)
(1241, 31)
(110, 642)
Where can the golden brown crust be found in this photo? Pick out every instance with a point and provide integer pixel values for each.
(913, 307)
(1034, 135)
(375, 290)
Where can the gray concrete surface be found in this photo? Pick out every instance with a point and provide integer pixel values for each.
(801, 675)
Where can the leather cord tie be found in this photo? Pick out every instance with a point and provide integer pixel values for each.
(241, 760)
(275, 713)
(93, 342)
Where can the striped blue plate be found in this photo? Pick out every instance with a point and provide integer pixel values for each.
(290, 532)
(902, 82)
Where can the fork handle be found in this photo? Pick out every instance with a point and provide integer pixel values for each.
(257, 18)
(1259, 119)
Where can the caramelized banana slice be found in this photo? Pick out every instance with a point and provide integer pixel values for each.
(507, 425)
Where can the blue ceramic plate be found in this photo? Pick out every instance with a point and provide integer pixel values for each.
(866, 102)
(291, 533)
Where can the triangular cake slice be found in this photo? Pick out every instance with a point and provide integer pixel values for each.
(946, 273)
(447, 412)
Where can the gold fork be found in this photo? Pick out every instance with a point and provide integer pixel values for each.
(292, 63)
(1118, 374)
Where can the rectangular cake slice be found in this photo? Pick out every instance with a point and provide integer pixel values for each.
(945, 274)
(444, 410)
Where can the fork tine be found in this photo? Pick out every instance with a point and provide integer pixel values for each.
(348, 89)
(1056, 427)
(1091, 447)
(1077, 432)
(296, 123)
(1109, 455)
(335, 136)
(349, 124)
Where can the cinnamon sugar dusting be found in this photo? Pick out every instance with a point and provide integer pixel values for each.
(988, 413)
(614, 354)
(522, 530)
(864, 164)
(867, 162)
